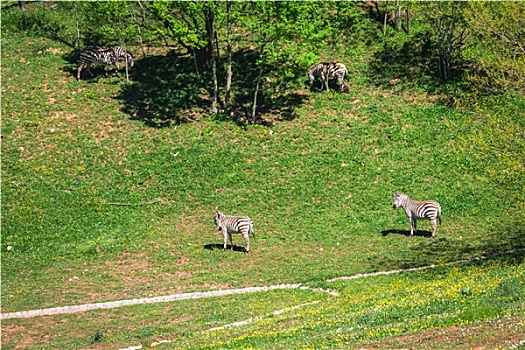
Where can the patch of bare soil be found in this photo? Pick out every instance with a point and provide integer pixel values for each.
(495, 334)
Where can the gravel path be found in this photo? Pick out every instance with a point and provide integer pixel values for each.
(159, 299)
(218, 293)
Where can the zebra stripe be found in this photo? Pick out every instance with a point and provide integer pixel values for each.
(234, 224)
(415, 210)
(327, 70)
(105, 55)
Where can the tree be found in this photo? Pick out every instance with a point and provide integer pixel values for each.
(107, 23)
(500, 50)
(192, 25)
(450, 33)
(283, 46)
(440, 36)
(229, 72)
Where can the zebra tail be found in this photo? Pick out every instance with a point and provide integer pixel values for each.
(252, 231)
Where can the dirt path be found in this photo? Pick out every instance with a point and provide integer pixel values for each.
(159, 299)
(217, 293)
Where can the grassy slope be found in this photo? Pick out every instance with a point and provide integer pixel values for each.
(318, 189)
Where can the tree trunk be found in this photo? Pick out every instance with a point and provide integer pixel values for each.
(384, 20)
(210, 31)
(254, 107)
(208, 51)
(22, 5)
(229, 73)
(78, 30)
(408, 21)
(143, 13)
(398, 16)
(215, 87)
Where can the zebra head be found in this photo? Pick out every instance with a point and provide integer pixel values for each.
(311, 78)
(129, 58)
(218, 218)
(399, 198)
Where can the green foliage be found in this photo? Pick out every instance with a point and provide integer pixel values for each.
(498, 49)
(182, 21)
(109, 22)
(98, 336)
(39, 21)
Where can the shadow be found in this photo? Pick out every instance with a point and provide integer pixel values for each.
(277, 99)
(165, 90)
(419, 233)
(333, 85)
(168, 89)
(99, 74)
(98, 69)
(414, 63)
(507, 246)
(40, 18)
(217, 246)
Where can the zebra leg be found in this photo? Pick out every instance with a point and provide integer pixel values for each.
(434, 227)
(89, 69)
(412, 226)
(80, 70)
(231, 241)
(225, 239)
(116, 71)
(247, 240)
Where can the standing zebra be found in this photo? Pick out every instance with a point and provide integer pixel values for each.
(326, 71)
(418, 210)
(234, 224)
(106, 55)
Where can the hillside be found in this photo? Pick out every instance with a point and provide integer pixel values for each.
(102, 203)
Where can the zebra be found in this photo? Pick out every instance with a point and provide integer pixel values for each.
(415, 210)
(106, 55)
(234, 224)
(327, 70)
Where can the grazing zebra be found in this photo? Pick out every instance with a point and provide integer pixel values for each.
(326, 71)
(234, 224)
(418, 210)
(106, 55)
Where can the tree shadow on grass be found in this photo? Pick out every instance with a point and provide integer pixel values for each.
(413, 64)
(168, 89)
(165, 89)
(217, 246)
(277, 99)
(508, 246)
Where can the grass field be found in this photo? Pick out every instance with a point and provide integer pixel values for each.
(99, 204)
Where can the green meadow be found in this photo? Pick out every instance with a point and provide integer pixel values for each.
(100, 203)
